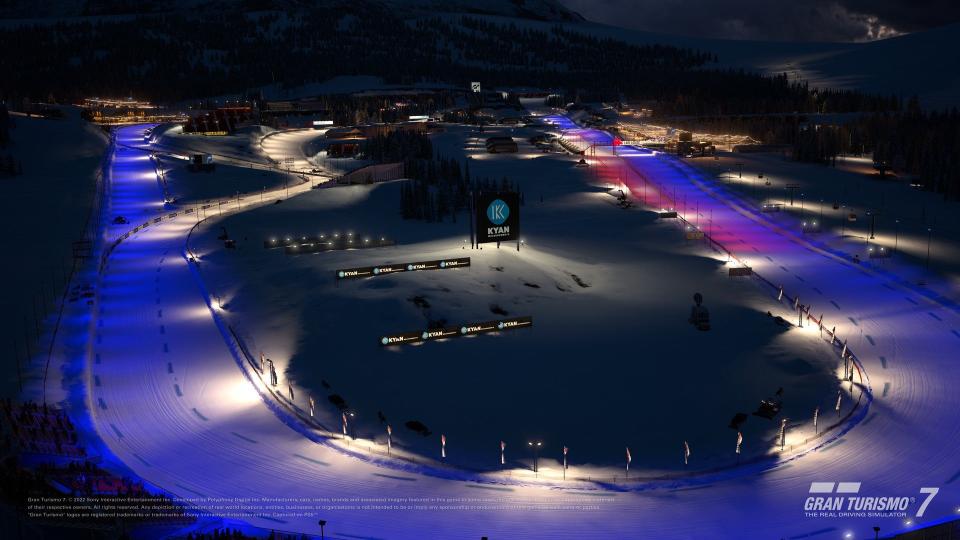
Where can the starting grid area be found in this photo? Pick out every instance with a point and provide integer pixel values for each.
(406, 338)
(371, 271)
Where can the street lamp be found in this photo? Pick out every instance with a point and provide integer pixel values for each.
(535, 446)
(929, 236)
(322, 523)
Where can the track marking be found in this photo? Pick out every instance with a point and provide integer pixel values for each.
(248, 439)
(176, 388)
(854, 321)
(491, 488)
(886, 388)
(934, 315)
(883, 362)
(117, 431)
(166, 348)
(102, 403)
(911, 300)
(870, 339)
(392, 477)
(836, 305)
(200, 416)
(141, 459)
(96, 380)
(311, 460)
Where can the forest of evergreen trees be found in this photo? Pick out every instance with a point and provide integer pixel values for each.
(904, 139)
(186, 55)
(438, 188)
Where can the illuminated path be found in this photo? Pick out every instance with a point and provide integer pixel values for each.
(169, 400)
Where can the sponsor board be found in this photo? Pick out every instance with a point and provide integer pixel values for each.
(499, 325)
(497, 217)
(739, 271)
(370, 271)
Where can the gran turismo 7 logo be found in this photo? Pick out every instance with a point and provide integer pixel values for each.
(843, 499)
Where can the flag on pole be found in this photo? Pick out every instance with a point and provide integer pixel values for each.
(312, 406)
(686, 453)
(503, 446)
(389, 437)
(343, 416)
(739, 441)
(839, 397)
(443, 445)
(629, 459)
(816, 414)
(565, 450)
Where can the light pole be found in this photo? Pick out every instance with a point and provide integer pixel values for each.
(929, 237)
(322, 523)
(535, 446)
(896, 234)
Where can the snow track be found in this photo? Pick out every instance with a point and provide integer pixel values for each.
(173, 406)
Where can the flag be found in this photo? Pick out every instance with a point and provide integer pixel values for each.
(739, 441)
(344, 417)
(389, 436)
(839, 397)
(617, 141)
(629, 459)
(443, 445)
(686, 452)
(503, 447)
(565, 450)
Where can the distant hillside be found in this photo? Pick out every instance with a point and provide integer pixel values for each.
(543, 10)
(925, 64)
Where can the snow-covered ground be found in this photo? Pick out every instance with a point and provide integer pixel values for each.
(593, 277)
(169, 400)
(905, 218)
(43, 211)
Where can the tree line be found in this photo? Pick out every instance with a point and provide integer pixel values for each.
(185, 55)
(905, 139)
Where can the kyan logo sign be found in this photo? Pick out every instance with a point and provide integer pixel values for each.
(402, 338)
(498, 212)
(370, 271)
(498, 217)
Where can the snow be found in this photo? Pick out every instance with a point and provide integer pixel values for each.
(215, 437)
(533, 383)
(44, 211)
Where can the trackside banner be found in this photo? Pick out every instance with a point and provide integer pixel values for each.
(371, 271)
(498, 325)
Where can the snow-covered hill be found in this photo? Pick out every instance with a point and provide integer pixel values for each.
(546, 10)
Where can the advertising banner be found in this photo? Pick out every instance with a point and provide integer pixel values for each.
(497, 217)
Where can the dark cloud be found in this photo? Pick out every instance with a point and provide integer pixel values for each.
(780, 20)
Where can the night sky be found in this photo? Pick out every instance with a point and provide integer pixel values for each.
(796, 20)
